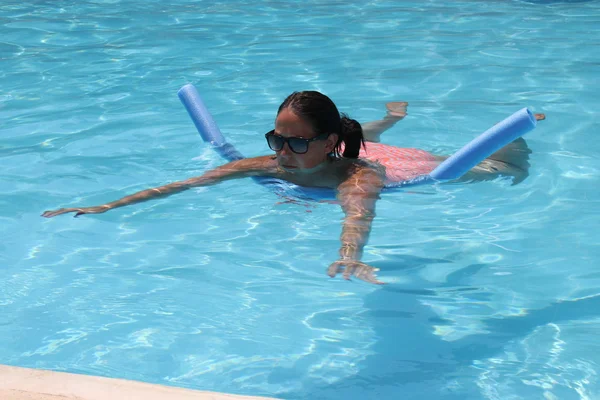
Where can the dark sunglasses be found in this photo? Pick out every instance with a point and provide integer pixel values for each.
(296, 144)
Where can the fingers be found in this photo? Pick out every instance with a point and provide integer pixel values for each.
(50, 214)
(349, 271)
(333, 269)
(80, 211)
(358, 269)
(337, 267)
(369, 276)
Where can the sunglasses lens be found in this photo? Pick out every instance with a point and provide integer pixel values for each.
(275, 142)
(297, 145)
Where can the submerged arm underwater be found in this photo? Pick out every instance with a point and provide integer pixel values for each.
(357, 196)
(233, 170)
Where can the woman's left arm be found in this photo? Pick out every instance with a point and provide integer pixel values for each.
(357, 195)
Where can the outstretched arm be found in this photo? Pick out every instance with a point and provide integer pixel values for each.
(232, 170)
(357, 196)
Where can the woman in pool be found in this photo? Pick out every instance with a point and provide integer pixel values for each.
(316, 146)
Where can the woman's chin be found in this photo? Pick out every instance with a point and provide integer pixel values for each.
(302, 170)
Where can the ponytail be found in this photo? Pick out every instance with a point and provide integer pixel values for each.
(351, 134)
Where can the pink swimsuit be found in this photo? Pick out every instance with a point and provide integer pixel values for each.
(401, 164)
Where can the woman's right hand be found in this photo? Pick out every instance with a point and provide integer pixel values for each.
(354, 268)
(78, 211)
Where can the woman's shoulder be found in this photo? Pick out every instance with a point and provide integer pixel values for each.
(362, 177)
(355, 166)
(366, 164)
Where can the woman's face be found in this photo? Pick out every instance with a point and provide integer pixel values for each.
(290, 125)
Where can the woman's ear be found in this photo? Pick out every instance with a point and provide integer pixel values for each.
(331, 141)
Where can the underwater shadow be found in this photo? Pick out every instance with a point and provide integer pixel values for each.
(411, 362)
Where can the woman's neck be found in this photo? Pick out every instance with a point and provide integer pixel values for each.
(317, 168)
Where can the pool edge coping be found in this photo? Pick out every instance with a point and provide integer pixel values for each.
(18, 383)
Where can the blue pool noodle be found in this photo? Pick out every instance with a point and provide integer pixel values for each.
(210, 133)
(485, 145)
(452, 168)
(205, 124)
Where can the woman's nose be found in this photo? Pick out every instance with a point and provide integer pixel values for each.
(285, 150)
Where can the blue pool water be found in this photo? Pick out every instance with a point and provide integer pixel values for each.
(493, 290)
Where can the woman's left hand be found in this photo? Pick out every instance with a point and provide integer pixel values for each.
(353, 267)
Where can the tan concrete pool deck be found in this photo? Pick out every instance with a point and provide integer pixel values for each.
(35, 384)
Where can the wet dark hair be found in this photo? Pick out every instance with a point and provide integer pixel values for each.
(324, 117)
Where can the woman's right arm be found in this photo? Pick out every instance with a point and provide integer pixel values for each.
(233, 170)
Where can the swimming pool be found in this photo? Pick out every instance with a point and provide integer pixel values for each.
(492, 291)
